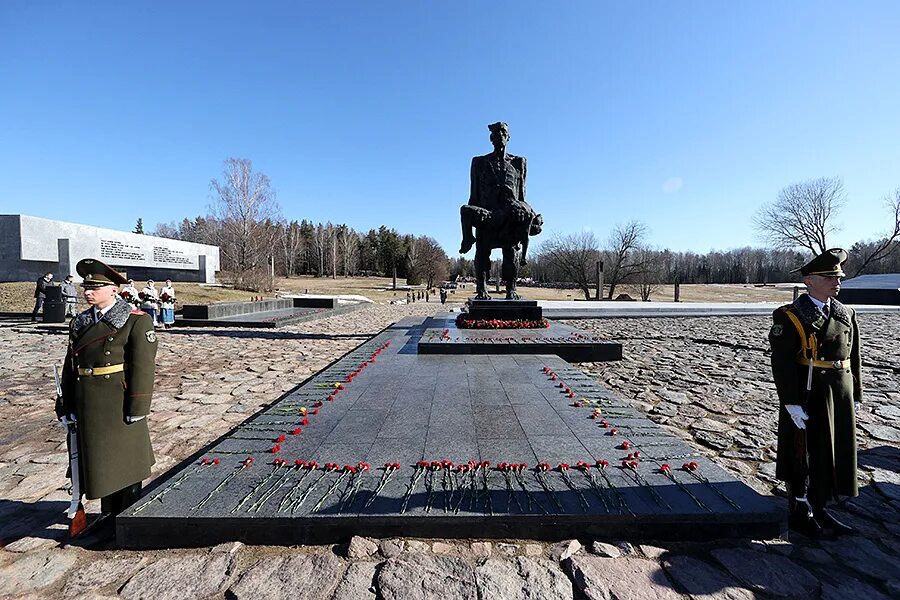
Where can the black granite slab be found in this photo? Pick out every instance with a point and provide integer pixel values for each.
(442, 336)
(407, 407)
(283, 313)
(504, 309)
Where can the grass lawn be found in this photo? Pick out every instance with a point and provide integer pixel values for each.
(19, 296)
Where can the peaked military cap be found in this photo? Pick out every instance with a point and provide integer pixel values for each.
(828, 264)
(98, 274)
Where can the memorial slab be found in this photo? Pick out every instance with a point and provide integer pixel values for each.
(365, 446)
(271, 313)
(440, 335)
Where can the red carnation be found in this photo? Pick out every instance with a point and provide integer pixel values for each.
(665, 468)
(275, 449)
(625, 445)
(281, 438)
(296, 431)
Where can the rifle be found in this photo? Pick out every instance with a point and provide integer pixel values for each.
(77, 516)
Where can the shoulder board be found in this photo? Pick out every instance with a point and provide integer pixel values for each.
(786, 307)
(138, 312)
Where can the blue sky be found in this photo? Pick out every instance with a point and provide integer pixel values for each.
(687, 116)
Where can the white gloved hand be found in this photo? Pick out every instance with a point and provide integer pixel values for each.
(130, 420)
(856, 406)
(69, 420)
(797, 414)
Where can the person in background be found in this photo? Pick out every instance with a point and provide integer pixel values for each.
(130, 294)
(167, 304)
(150, 300)
(70, 296)
(40, 293)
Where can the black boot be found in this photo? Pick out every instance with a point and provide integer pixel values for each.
(802, 521)
(827, 521)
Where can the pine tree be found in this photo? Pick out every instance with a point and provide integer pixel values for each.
(139, 226)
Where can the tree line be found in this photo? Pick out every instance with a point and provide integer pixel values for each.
(256, 243)
(797, 226)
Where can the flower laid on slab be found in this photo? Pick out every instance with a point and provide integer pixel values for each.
(326, 469)
(464, 322)
(692, 468)
(585, 469)
(518, 472)
(203, 464)
(280, 465)
(563, 469)
(299, 465)
(666, 470)
(540, 473)
(507, 470)
(389, 470)
(352, 489)
(296, 431)
(631, 468)
(433, 467)
(277, 464)
(421, 467)
(622, 503)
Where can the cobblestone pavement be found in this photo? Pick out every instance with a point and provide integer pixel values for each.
(705, 378)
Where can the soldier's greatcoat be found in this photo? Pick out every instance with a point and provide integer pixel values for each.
(831, 428)
(114, 454)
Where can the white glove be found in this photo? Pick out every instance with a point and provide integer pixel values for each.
(856, 406)
(134, 419)
(797, 414)
(69, 420)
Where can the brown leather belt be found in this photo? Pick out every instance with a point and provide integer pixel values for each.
(89, 372)
(825, 364)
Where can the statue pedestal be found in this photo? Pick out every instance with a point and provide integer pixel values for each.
(506, 310)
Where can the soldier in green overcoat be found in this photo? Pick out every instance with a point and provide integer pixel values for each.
(107, 384)
(816, 366)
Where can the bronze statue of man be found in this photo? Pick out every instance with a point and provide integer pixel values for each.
(499, 213)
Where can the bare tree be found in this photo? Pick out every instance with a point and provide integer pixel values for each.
(621, 258)
(349, 247)
(245, 208)
(291, 245)
(802, 215)
(646, 283)
(574, 256)
(889, 243)
(428, 261)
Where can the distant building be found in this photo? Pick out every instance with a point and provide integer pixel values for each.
(871, 289)
(31, 246)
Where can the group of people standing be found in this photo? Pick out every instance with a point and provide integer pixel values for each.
(158, 303)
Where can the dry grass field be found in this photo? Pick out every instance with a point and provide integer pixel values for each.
(18, 297)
